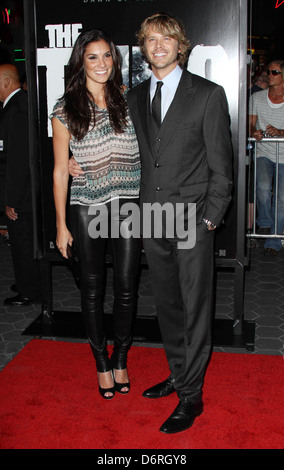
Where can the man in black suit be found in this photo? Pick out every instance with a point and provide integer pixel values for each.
(186, 157)
(16, 186)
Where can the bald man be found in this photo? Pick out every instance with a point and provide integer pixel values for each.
(16, 198)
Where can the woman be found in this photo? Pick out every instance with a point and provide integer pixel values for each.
(92, 120)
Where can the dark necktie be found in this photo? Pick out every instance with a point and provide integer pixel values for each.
(156, 104)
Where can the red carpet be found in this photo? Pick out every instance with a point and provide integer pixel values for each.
(49, 400)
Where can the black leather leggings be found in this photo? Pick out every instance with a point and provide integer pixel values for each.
(126, 258)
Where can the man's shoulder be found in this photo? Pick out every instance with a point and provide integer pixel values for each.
(18, 102)
(187, 78)
(258, 99)
(138, 88)
(22, 98)
(201, 81)
(259, 95)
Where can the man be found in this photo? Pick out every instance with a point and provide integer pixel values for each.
(17, 199)
(266, 110)
(187, 158)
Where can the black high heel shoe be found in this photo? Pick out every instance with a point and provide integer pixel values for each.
(103, 391)
(104, 365)
(119, 387)
(118, 360)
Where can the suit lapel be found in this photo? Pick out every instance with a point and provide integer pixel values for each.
(144, 111)
(178, 109)
(175, 115)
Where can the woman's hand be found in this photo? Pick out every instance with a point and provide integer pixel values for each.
(63, 239)
(61, 139)
(74, 168)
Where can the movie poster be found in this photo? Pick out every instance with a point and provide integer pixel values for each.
(214, 30)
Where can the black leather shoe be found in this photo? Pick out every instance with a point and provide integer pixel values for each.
(160, 390)
(18, 301)
(183, 417)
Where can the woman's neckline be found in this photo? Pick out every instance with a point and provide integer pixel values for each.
(99, 108)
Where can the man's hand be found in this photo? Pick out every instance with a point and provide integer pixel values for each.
(74, 168)
(257, 135)
(11, 214)
(210, 225)
(271, 131)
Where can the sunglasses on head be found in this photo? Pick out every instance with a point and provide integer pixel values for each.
(273, 72)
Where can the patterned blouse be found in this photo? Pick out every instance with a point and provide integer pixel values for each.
(111, 162)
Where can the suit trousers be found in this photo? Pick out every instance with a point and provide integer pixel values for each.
(183, 290)
(26, 268)
(91, 253)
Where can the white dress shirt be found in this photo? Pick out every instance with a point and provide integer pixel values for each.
(168, 90)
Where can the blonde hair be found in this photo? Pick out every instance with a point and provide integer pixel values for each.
(167, 26)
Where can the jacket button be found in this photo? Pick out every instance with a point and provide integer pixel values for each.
(158, 188)
(157, 165)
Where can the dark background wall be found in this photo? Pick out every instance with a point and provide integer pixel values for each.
(265, 40)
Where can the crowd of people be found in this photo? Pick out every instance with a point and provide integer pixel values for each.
(167, 140)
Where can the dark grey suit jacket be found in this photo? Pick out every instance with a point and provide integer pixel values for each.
(14, 158)
(189, 159)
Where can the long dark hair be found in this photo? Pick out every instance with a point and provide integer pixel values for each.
(79, 105)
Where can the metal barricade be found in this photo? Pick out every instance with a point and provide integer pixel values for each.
(252, 233)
